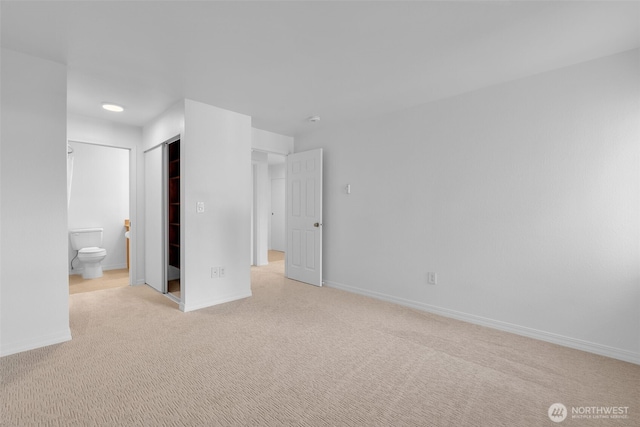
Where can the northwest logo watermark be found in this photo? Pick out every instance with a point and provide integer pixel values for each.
(558, 412)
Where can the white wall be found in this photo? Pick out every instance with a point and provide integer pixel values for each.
(523, 197)
(103, 132)
(216, 170)
(260, 208)
(96, 131)
(278, 171)
(262, 140)
(34, 294)
(164, 127)
(100, 198)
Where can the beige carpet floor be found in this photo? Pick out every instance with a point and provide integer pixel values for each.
(298, 355)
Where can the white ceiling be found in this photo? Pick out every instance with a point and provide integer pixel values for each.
(281, 62)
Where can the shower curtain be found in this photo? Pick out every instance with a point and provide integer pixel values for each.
(69, 172)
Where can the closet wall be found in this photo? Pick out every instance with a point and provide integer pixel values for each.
(215, 146)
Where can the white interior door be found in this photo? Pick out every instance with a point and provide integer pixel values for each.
(304, 217)
(153, 215)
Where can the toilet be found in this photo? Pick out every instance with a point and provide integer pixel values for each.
(87, 242)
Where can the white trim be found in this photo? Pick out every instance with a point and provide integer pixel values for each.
(209, 303)
(76, 141)
(114, 267)
(578, 344)
(275, 152)
(78, 269)
(34, 343)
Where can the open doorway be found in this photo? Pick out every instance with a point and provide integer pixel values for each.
(268, 210)
(98, 190)
(277, 232)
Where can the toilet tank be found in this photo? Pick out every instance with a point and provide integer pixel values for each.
(85, 238)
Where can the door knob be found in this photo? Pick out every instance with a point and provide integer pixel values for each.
(317, 224)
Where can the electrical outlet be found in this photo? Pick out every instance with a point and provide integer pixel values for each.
(215, 272)
(432, 278)
(223, 272)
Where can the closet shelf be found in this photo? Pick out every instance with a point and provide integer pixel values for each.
(173, 204)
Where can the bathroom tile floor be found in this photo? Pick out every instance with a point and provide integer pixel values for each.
(110, 279)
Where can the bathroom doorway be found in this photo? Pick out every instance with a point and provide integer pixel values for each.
(98, 196)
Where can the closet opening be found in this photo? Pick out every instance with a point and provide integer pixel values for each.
(162, 219)
(173, 220)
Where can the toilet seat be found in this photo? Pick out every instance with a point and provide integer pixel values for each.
(91, 252)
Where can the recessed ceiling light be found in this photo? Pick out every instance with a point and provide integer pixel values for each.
(112, 107)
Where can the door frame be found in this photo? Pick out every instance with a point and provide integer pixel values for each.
(163, 146)
(133, 211)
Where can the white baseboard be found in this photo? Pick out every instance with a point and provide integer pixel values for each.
(31, 344)
(114, 267)
(602, 350)
(209, 303)
(79, 270)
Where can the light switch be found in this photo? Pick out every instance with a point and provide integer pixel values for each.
(199, 207)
